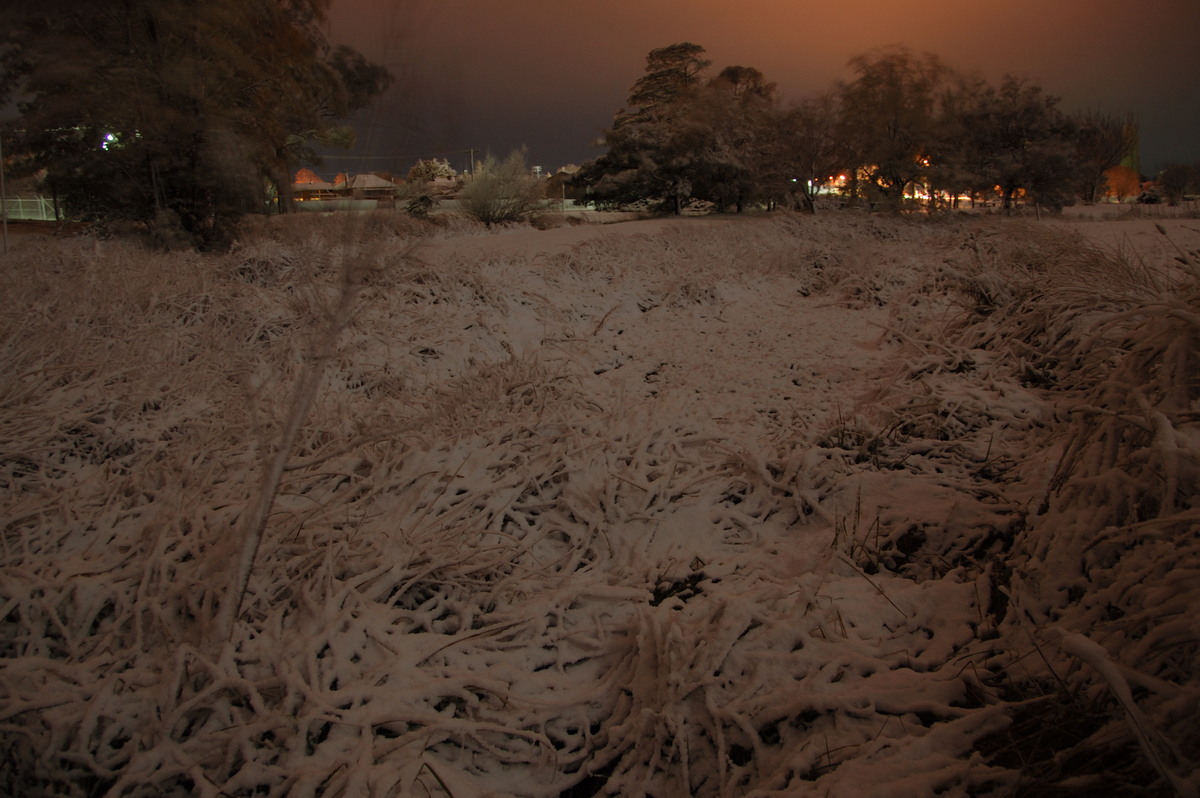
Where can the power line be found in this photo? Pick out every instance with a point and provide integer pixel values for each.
(375, 160)
(404, 157)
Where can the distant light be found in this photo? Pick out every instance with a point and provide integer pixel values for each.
(110, 139)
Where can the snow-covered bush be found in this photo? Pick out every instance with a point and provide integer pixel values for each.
(502, 191)
(427, 171)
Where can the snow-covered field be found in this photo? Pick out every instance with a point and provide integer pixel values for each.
(841, 506)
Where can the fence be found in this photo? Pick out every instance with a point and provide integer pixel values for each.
(39, 208)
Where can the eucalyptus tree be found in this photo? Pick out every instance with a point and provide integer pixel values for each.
(736, 116)
(1022, 143)
(810, 148)
(1102, 142)
(174, 112)
(1179, 180)
(890, 112)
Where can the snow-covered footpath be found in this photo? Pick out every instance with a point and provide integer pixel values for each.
(846, 505)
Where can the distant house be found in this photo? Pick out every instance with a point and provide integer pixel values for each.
(367, 186)
(315, 189)
(560, 187)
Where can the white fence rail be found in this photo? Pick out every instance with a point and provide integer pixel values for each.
(39, 208)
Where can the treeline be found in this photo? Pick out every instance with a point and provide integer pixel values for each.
(903, 121)
(178, 114)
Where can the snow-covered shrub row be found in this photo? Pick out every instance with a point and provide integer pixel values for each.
(1115, 551)
(1095, 355)
(508, 553)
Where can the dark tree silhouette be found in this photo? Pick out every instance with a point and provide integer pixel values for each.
(736, 113)
(890, 113)
(904, 121)
(1018, 140)
(652, 142)
(810, 149)
(1102, 142)
(174, 112)
(683, 137)
(1177, 180)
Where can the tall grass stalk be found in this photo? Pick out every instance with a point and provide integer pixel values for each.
(253, 520)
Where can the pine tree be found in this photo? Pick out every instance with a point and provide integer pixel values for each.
(683, 137)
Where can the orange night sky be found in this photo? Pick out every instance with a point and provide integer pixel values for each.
(548, 74)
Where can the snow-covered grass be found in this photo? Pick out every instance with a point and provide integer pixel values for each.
(1113, 549)
(849, 504)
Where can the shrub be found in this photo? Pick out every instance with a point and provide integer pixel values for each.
(502, 191)
(433, 169)
(420, 205)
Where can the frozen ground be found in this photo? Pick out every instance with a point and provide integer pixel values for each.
(850, 505)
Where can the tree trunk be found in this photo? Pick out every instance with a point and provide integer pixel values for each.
(283, 188)
(1007, 199)
(852, 186)
(809, 206)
